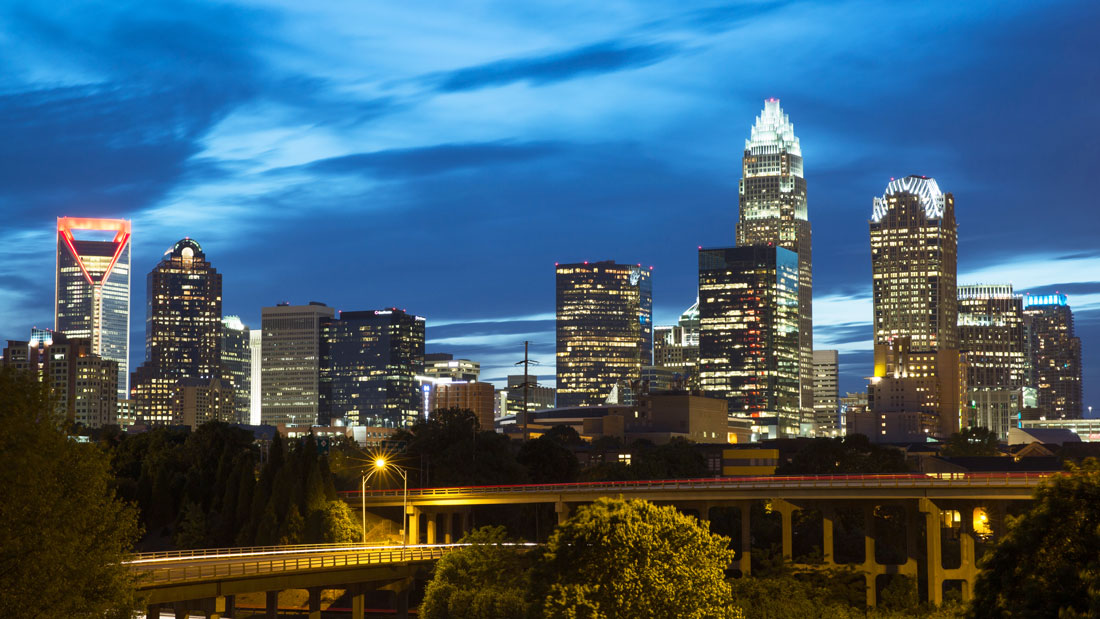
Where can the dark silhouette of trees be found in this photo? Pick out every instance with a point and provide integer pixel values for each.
(974, 441)
(850, 455)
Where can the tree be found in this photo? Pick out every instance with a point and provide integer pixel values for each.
(973, 441)
(629, 558)
(448, 449)
(853, 454)
(63, 531)
(485, 580)
(1048, 563)
(548, 461)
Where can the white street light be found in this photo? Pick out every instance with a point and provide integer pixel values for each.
(380, 464)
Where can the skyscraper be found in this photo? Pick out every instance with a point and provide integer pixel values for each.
(1055, 355)
(676, 348)
(604, 329)
(748, 335)
(84, 386)
(827, 393)
(992, 338)
(290, 371)
(255, 344)
(92, 293)
(183, 330)
(237, 359)
(916, 387)
(369, 364)
(774, 211)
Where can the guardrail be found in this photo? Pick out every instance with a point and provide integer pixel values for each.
(152, 574)
(1021, 479)
(208, 553)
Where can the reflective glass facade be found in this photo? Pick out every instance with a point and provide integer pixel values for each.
(183, 330)
(369, 364)
(749, 335)
(773, 210)
(993, 339)
(290, 363)
(1055, 356)
(237, 360)
(92, 295)
(604, 329)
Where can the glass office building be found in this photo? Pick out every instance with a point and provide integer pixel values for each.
(237, 360)
(1055, 355)
(92, 293)
(369, 364)
(604, 329)
(749, 335)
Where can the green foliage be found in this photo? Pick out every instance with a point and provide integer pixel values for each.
(1048, 563)
(974, 441)
(486, 580)
(677, 459)
(548, 460)
(827, 594)
(63, 530)
(853, 454)
(630, 558)
(449, 449)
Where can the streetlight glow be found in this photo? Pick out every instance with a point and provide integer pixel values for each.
(380, 463)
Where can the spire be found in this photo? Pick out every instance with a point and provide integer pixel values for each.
(773, 132)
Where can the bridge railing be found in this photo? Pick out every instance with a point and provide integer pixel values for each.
(1010, 479)
(268, 563)
(207, 553)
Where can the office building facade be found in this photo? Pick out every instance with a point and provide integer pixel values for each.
(827, 393)
(513, 398)
(748, 335)
(183, 330)
(443, 365)
(604, 329)
(237, 360)
(992, 338)
(370, 361)
(83, 385)
(1055, 355)
(290, 363)
(676, 348)
(474, 396)
(914, 256)
(773, 210)
(92, 288)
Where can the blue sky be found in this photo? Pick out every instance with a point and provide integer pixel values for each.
(440, 157)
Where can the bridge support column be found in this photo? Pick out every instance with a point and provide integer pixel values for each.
(786, 510)
(152, 611)
(448, 528)
(968, 570)
(412, 534)
(745, 560)
(934, 550)
(828, 515)
(561, 508)
(180, 609)
(271, 606)
(314, 602)
(870, 572)
(403, 601)
(432, 517)
(467, 521)
(357, 593)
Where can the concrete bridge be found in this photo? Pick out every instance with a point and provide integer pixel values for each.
(962, 505)
(209, 581)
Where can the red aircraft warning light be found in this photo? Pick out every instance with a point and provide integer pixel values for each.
(121, 228)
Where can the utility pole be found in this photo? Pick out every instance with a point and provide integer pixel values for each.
(526, 384)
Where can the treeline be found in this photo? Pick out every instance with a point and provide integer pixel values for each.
(207, 489)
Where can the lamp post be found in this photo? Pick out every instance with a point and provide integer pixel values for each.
(380, 464)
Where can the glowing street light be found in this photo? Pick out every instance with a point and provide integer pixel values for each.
(380, 464)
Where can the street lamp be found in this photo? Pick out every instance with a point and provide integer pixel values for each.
(380, 464)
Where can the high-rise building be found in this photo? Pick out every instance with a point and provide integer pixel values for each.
(196, 401)
(1055, 355)
(84, 386)
(604, 329)
(917, 386)
(440, 365)
(475, 396)
(255, 345)
(992, 338)
(290, 363)
(369, 364)
(237, 359)
(827, 393)
(92, 294)
(676, 348)
(510, 400)
(774, 211)
(748, 335)
(183, 330)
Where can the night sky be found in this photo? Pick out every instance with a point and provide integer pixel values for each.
(441, 157)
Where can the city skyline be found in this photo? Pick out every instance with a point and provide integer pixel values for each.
(652, 179)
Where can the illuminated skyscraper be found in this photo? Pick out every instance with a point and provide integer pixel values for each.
(604, 329)
(774, 211)
(92, 294)
(917, 386)
(290, 371)
(827, 393)
(183, 330)
(676, 348)
(992, 338)
(1055, 355)
(237, 359)
(748, 335)
(369, 364)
